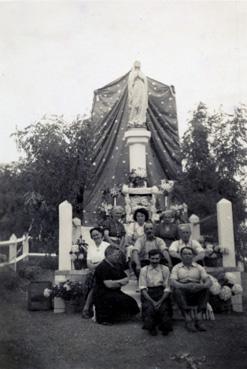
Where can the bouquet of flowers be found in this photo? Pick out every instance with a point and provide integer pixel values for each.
(78, 254)
(230, 280)
(66, 290)
(215, 286)
(181, 212)
(237, 289)
(225, 293)
(138, 177)
(225, 286)
(115, 191)
(166, 186)
(222, 290)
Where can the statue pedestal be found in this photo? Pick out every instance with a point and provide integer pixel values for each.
(140, 197)
(137, 139)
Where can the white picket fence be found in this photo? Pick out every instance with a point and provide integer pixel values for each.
(16, 254)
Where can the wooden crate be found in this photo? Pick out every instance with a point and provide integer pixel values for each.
(36, 298)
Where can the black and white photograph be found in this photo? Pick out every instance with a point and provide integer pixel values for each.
(123, 190)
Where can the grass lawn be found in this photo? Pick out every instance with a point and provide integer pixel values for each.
(44, 340)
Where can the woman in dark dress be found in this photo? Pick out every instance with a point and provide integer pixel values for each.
(111, 304)
(114, 231)
(167, 229)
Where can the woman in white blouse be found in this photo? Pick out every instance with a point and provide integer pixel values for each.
(95, 254)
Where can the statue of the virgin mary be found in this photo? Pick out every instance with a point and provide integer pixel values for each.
(137, 97)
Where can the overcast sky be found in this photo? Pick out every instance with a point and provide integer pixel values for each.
(55, 54)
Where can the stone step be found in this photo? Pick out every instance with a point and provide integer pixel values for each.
(131, 290)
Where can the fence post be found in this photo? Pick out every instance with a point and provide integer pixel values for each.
(195, 227)
(65, 235)
(13, 251)
(25, 245)
(225, 232)
(226, 241)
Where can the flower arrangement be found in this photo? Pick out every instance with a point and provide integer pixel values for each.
(225, 293)
(237, 289)
(103, 211)
(215, 286)
(68, 290)
(225, 286)
(181, 212)
(166, 186)
(114, 191)
(78, 254)
(213, 250)
(138, 177)
(105, 208)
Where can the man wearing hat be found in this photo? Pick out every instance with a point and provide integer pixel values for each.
(184, 233)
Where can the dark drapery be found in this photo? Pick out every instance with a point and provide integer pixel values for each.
(110, 158)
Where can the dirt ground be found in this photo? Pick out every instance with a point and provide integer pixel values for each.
(44, 340)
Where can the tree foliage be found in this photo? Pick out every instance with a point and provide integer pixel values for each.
(215, 162)
(13, 215)
(55, 168)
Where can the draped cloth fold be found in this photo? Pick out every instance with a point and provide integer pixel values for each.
(110, 159)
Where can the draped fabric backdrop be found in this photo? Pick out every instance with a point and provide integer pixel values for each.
(110, 158)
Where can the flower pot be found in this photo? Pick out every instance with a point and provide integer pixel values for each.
(75, 306)
(59, 305)
(36, 298)
(70, 307)
(79, 304)
(78, 264)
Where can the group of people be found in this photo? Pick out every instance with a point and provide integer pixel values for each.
(168, 271)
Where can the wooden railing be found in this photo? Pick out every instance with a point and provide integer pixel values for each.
(16, 254)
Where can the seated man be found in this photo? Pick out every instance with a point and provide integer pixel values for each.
(190, 286)
(111, 304)
(184, 233)
(155, 295)
(146, 243)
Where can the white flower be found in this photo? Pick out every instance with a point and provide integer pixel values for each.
(225, 293)
(176, 207)
(140, 172)
(215, 287)
(67, 287)
(230, 277)
(47, 292)
(237, 289)
(144, 202)
(75, 248)
(209, 247)
(76, 222)
(167, 186)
